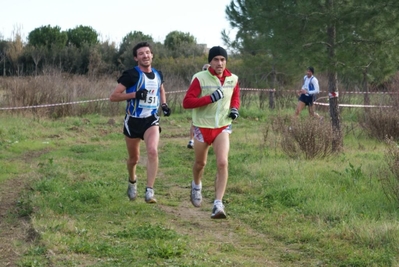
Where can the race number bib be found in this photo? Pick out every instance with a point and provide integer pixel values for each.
(151, 102)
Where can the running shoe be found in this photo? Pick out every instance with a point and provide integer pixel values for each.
(218, 211)
(132, 190)
(149, 196)
(196, 196)
(190, 144)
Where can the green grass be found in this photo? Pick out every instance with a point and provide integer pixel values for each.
(281, 211)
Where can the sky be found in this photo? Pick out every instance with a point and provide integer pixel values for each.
(114, 19)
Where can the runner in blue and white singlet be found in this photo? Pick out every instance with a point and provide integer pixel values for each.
(143, 90)
(134, 80)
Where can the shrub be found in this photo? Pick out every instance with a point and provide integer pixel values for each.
(390, 181)
(380, 123)
(309, 137)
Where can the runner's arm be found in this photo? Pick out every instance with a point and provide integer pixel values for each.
(192, 99)
(235, 98)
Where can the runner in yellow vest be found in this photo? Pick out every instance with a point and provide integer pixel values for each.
(214, 97)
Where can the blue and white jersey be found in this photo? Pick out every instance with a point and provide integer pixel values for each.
(142, 108)
(311, 85)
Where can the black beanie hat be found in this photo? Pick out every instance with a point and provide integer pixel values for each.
(217, 51)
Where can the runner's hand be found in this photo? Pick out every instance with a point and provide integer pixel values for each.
(166, 110)
(234, 113)
(141, 94)
(217, 95)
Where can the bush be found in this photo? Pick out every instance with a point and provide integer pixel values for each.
(390, 181)
(310, 138)
(381, 123)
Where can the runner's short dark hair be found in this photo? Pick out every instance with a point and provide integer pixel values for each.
(140, 45)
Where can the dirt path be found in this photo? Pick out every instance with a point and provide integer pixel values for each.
(15, 231)
(220, 235)
(17, 234)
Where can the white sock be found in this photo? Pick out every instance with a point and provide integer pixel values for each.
(197, 187)
(217, 201)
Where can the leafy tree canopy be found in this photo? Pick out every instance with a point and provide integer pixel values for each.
(175, 39)
(341, 35)
(82, 34)
(182, 44)
(48, 37)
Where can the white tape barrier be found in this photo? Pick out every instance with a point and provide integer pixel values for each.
(257, 89)
(352, 105)
(183, 91)
(107, 99)
(57, 104)
(354, 92)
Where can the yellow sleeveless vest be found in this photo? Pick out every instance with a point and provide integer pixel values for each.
(214, 115)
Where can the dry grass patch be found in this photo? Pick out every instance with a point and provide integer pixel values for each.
(308, 137)
(381, 123)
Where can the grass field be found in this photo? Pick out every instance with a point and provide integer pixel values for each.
(63, 194)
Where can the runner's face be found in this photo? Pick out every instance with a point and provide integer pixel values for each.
(218, 63)
(144, 57)
(309, 73)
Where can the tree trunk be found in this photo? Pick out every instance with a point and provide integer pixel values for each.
(366, 88)
(334, 111)
(272, 103)
(332, 84)
(335, 123)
